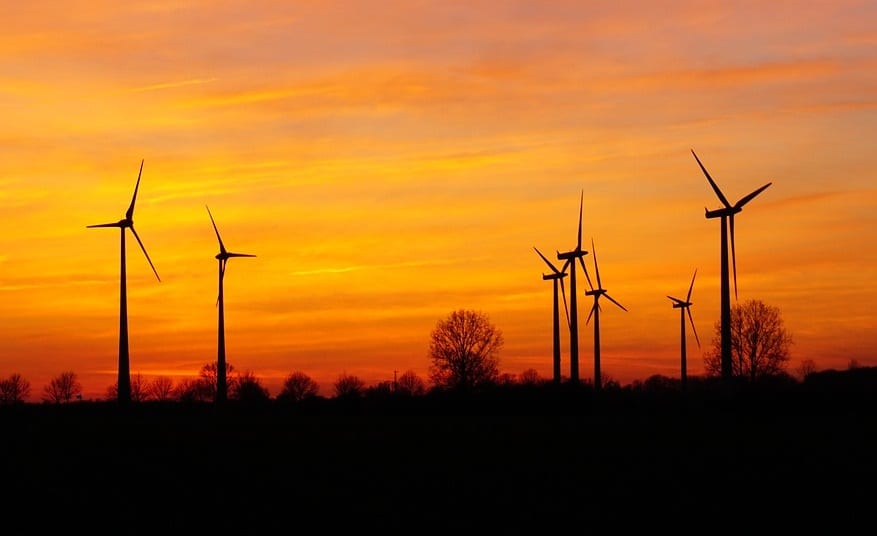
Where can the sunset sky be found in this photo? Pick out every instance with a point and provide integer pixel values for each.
(391, 161)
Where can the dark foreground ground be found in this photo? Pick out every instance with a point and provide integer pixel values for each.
(712, 465)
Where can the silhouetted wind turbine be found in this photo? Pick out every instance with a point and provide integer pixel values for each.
(595, 311)
(683, 306)
(222, 257)
(556, 276)
(726, 214)
(571, 256)
(124, 381)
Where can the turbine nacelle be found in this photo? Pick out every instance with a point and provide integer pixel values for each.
(568, 255)
(722, 212)
(677, 303)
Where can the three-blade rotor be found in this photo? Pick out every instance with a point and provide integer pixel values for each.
(223, 254)
(728, 211)
(686, 305)
(578, 252)
(557, 275)
(599, 291)
(128, 222)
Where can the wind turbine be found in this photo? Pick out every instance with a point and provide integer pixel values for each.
(124, 381)
(595, 311)
(222, 257)
(570, 257)
(726, 213)
(683, 306)
(556, 276)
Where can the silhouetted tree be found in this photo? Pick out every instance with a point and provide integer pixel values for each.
(463, 350)
(609, 383)
(14, 390)
(507, 379)
(139, 389)
(194, 390)
(161, 388)
(806, 368)
(298, 386)
(62, 388)
(656, 383)
(759, 342)
(209, 376)
(529, 376)
(382, 389)
(249, 389)
(349, 386)
(410, 384)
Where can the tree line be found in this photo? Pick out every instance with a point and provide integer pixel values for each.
(463, 355)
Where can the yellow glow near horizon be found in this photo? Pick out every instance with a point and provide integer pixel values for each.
(388, 169)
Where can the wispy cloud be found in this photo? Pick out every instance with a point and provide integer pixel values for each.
(406, 264)
(172, 85)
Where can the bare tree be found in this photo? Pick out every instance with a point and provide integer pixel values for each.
(248, 388)
(194, 390)
(62, 388)
(349, 386)
(806, 368)
(759, 342)
(209, 378)
(529, 376)
(297, 387)
(463, 351)
(14, 390)
(161, 388)
(410, 384)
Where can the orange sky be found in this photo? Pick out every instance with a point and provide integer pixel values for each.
(389, 162)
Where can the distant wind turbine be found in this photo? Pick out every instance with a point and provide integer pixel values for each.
(571, 256)
(222, 257)
(595, 311)
(683, 306)
(726, 213)
(124, 381)
(556, 276)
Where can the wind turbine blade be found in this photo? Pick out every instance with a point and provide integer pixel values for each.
(581, 202)
(144, 252)
(130, 213)
(554, 268)
(691, 287)
(565, 308)
(733, 254)
(751, 196)
(591, 313)
(105, 225)
(676, 300)
(715, 186)
(694, 329)
(585, 269)
(613, 301)
(596, 266)
(229, 254)
(221, 245)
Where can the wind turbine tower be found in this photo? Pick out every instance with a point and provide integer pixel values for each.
(571, 256)
(683, 306)
(556, 276)
(726, 214)
(222, 257)
(595, 311)
(124, 380)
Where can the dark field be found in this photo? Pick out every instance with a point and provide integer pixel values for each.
(519, 462)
